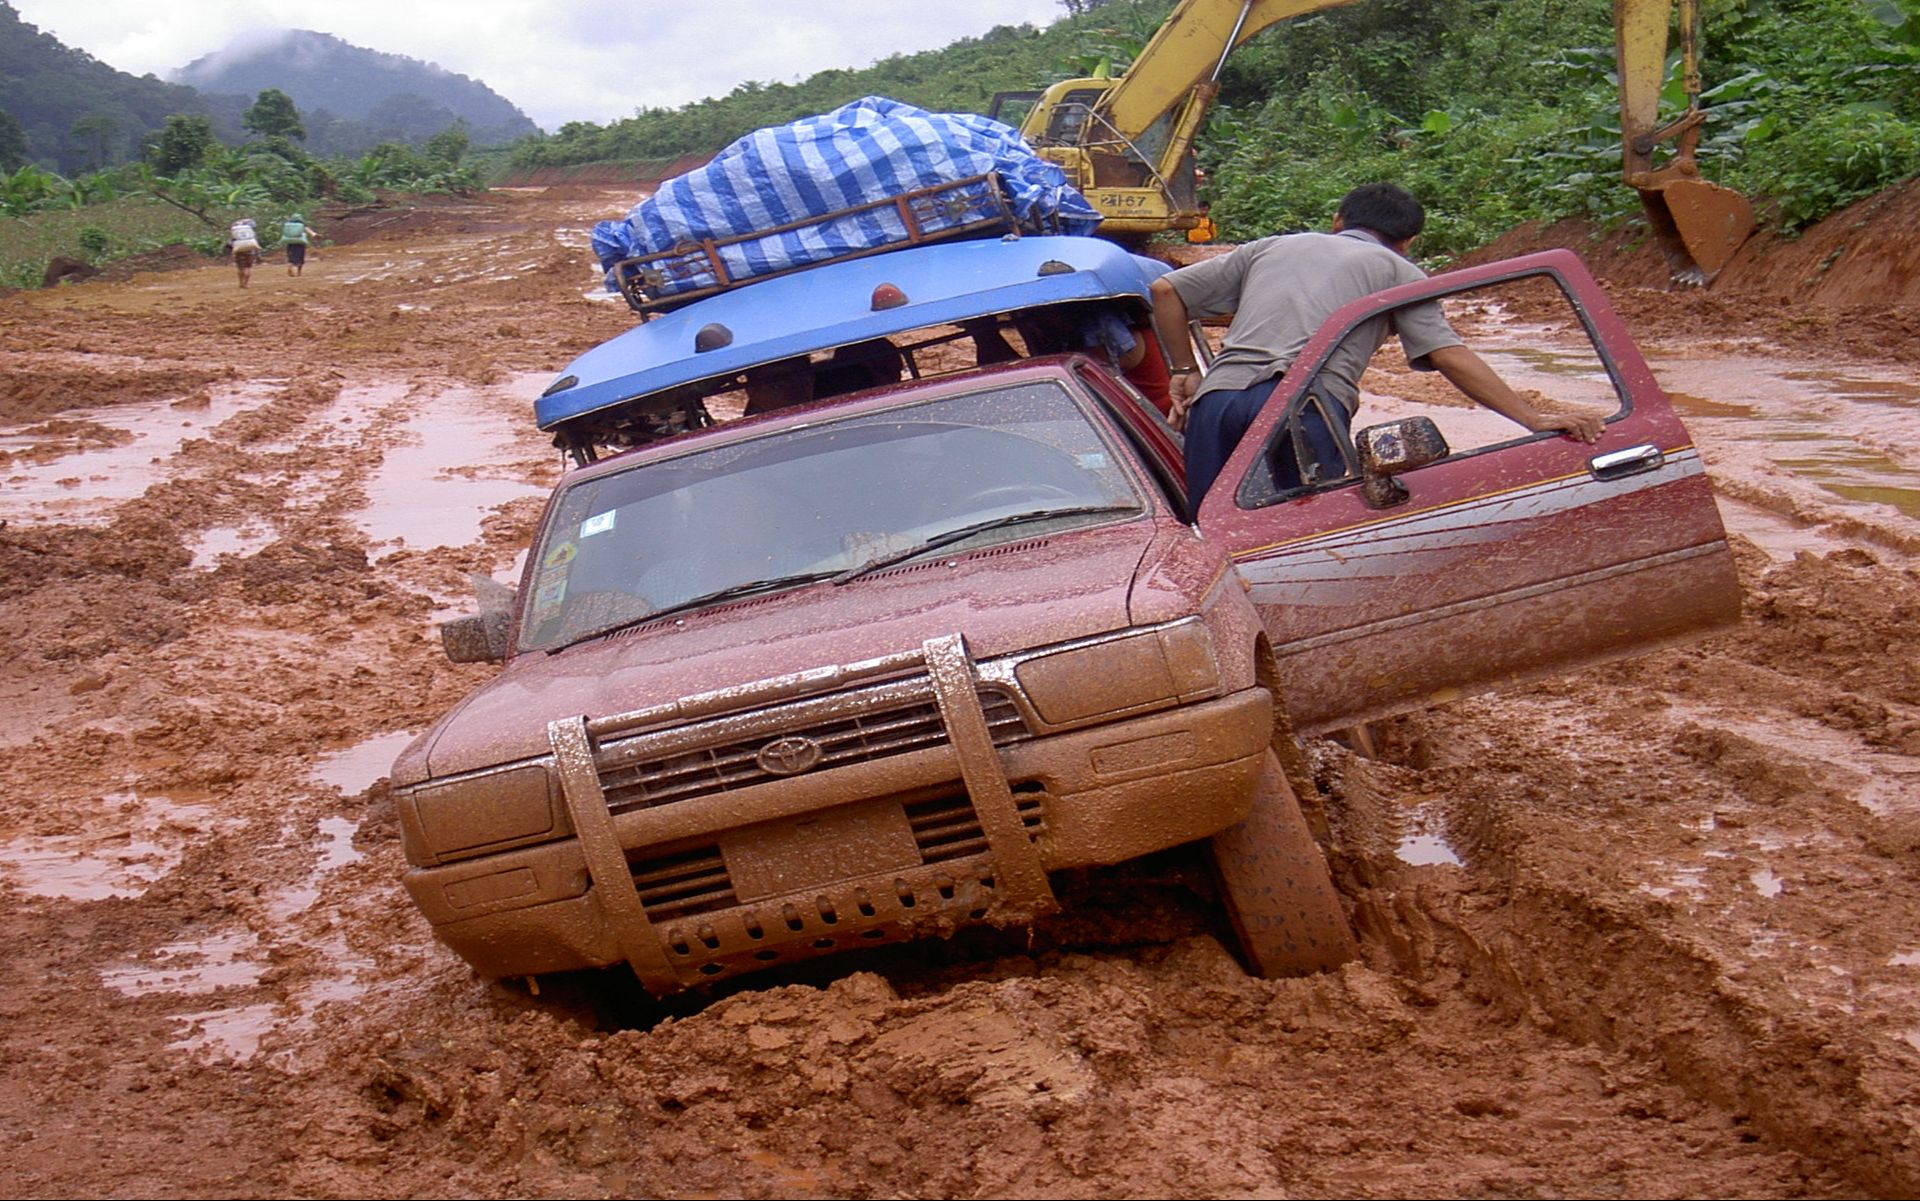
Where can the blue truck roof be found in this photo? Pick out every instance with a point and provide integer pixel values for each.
(833, 305)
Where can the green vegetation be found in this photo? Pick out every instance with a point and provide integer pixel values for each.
(98, 233)
(273, 116)
(1493, 111)
(191, 188)
(352, 98)
(66, 111)
(73, 112)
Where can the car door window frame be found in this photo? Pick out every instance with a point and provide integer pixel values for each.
(1257, 487)
(1168, 483)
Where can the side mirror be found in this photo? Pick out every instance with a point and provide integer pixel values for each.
(482, 637)
(1388, 449)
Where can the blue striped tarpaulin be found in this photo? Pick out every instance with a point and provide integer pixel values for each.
(869, 150)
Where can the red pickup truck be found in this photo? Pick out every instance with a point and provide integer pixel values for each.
(869, 668)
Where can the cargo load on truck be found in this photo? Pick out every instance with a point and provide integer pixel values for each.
(869, 176)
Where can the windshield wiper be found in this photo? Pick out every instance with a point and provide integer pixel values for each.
(964, 532)
(705, 598)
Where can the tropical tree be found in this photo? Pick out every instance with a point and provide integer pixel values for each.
(273, 116)
(97, 133)
(13, 143)
(182, 143)
(449, 146)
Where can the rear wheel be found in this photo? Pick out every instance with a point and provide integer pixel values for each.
(1275, 887)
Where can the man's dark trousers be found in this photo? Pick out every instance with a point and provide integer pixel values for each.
(1219, 419)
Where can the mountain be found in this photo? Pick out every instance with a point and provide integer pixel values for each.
(77, 112)
(350, 97)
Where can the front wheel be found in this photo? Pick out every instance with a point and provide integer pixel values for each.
(1275, 887)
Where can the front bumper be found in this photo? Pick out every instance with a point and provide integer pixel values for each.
(883, 850)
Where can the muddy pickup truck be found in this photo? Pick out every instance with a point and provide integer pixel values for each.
(873, 602)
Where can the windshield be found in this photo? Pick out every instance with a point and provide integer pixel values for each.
(819, 502)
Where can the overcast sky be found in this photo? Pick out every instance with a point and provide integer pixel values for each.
(559, 60)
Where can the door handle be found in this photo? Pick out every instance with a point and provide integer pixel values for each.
(1617, 464)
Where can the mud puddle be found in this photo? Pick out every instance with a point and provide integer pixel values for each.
(458, 459)
(355, 769)
(77, 482)
(1824, 447)
(130, 841)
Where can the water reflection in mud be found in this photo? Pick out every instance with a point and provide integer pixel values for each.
(193, 966)
(1426, 850)
(222, 542)
(227, 1033)
(455, 465)
(354, 769)
(142, 840)
(1839, 441)
(1423, 841)
(1830, 446)
(76, 481)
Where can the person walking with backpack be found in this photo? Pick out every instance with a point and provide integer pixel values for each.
(296, 235)
(244, 245)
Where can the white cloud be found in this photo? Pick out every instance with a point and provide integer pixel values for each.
(591, 60)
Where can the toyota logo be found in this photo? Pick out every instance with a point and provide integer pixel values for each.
(789, 756)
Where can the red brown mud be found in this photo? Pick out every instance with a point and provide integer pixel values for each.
(1649, 930)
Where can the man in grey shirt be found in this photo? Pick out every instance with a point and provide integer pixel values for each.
(1279, 291)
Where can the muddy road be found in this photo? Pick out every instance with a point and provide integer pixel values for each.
(1650, 931)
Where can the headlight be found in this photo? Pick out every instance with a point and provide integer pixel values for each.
(453, 819)
(1151, 669)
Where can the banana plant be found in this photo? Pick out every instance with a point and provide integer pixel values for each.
(30, 189)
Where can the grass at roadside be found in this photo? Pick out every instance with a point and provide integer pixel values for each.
(100, 233)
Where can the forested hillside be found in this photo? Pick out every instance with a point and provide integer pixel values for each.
(351, 98)
(67, 111)
(73, 111)
(1494, 111)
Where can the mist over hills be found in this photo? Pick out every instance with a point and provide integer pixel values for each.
(48, 86)
(79, 114)
(351, 97)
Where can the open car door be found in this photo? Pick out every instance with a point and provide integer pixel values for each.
(1397, 578)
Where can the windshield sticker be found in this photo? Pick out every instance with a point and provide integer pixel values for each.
(1092, 462)
(599, 523)
(550, 588)
(548, 596)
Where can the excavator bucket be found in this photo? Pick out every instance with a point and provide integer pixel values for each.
(1708, 222)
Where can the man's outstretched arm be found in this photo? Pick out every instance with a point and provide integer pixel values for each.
(1170, 322)
(1470, 373)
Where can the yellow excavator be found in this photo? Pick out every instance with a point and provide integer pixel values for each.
(1127, 142)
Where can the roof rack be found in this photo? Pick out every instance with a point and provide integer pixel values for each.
(969, 207)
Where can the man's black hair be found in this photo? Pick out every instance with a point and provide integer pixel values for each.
(1387, 209)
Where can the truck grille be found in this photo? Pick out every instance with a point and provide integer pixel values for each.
(691, 882)
(694, 882)
(854, 739)
(947, 828)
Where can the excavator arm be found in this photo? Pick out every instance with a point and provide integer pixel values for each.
(1699, 224)
(1127, 142)
(1189, 50)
